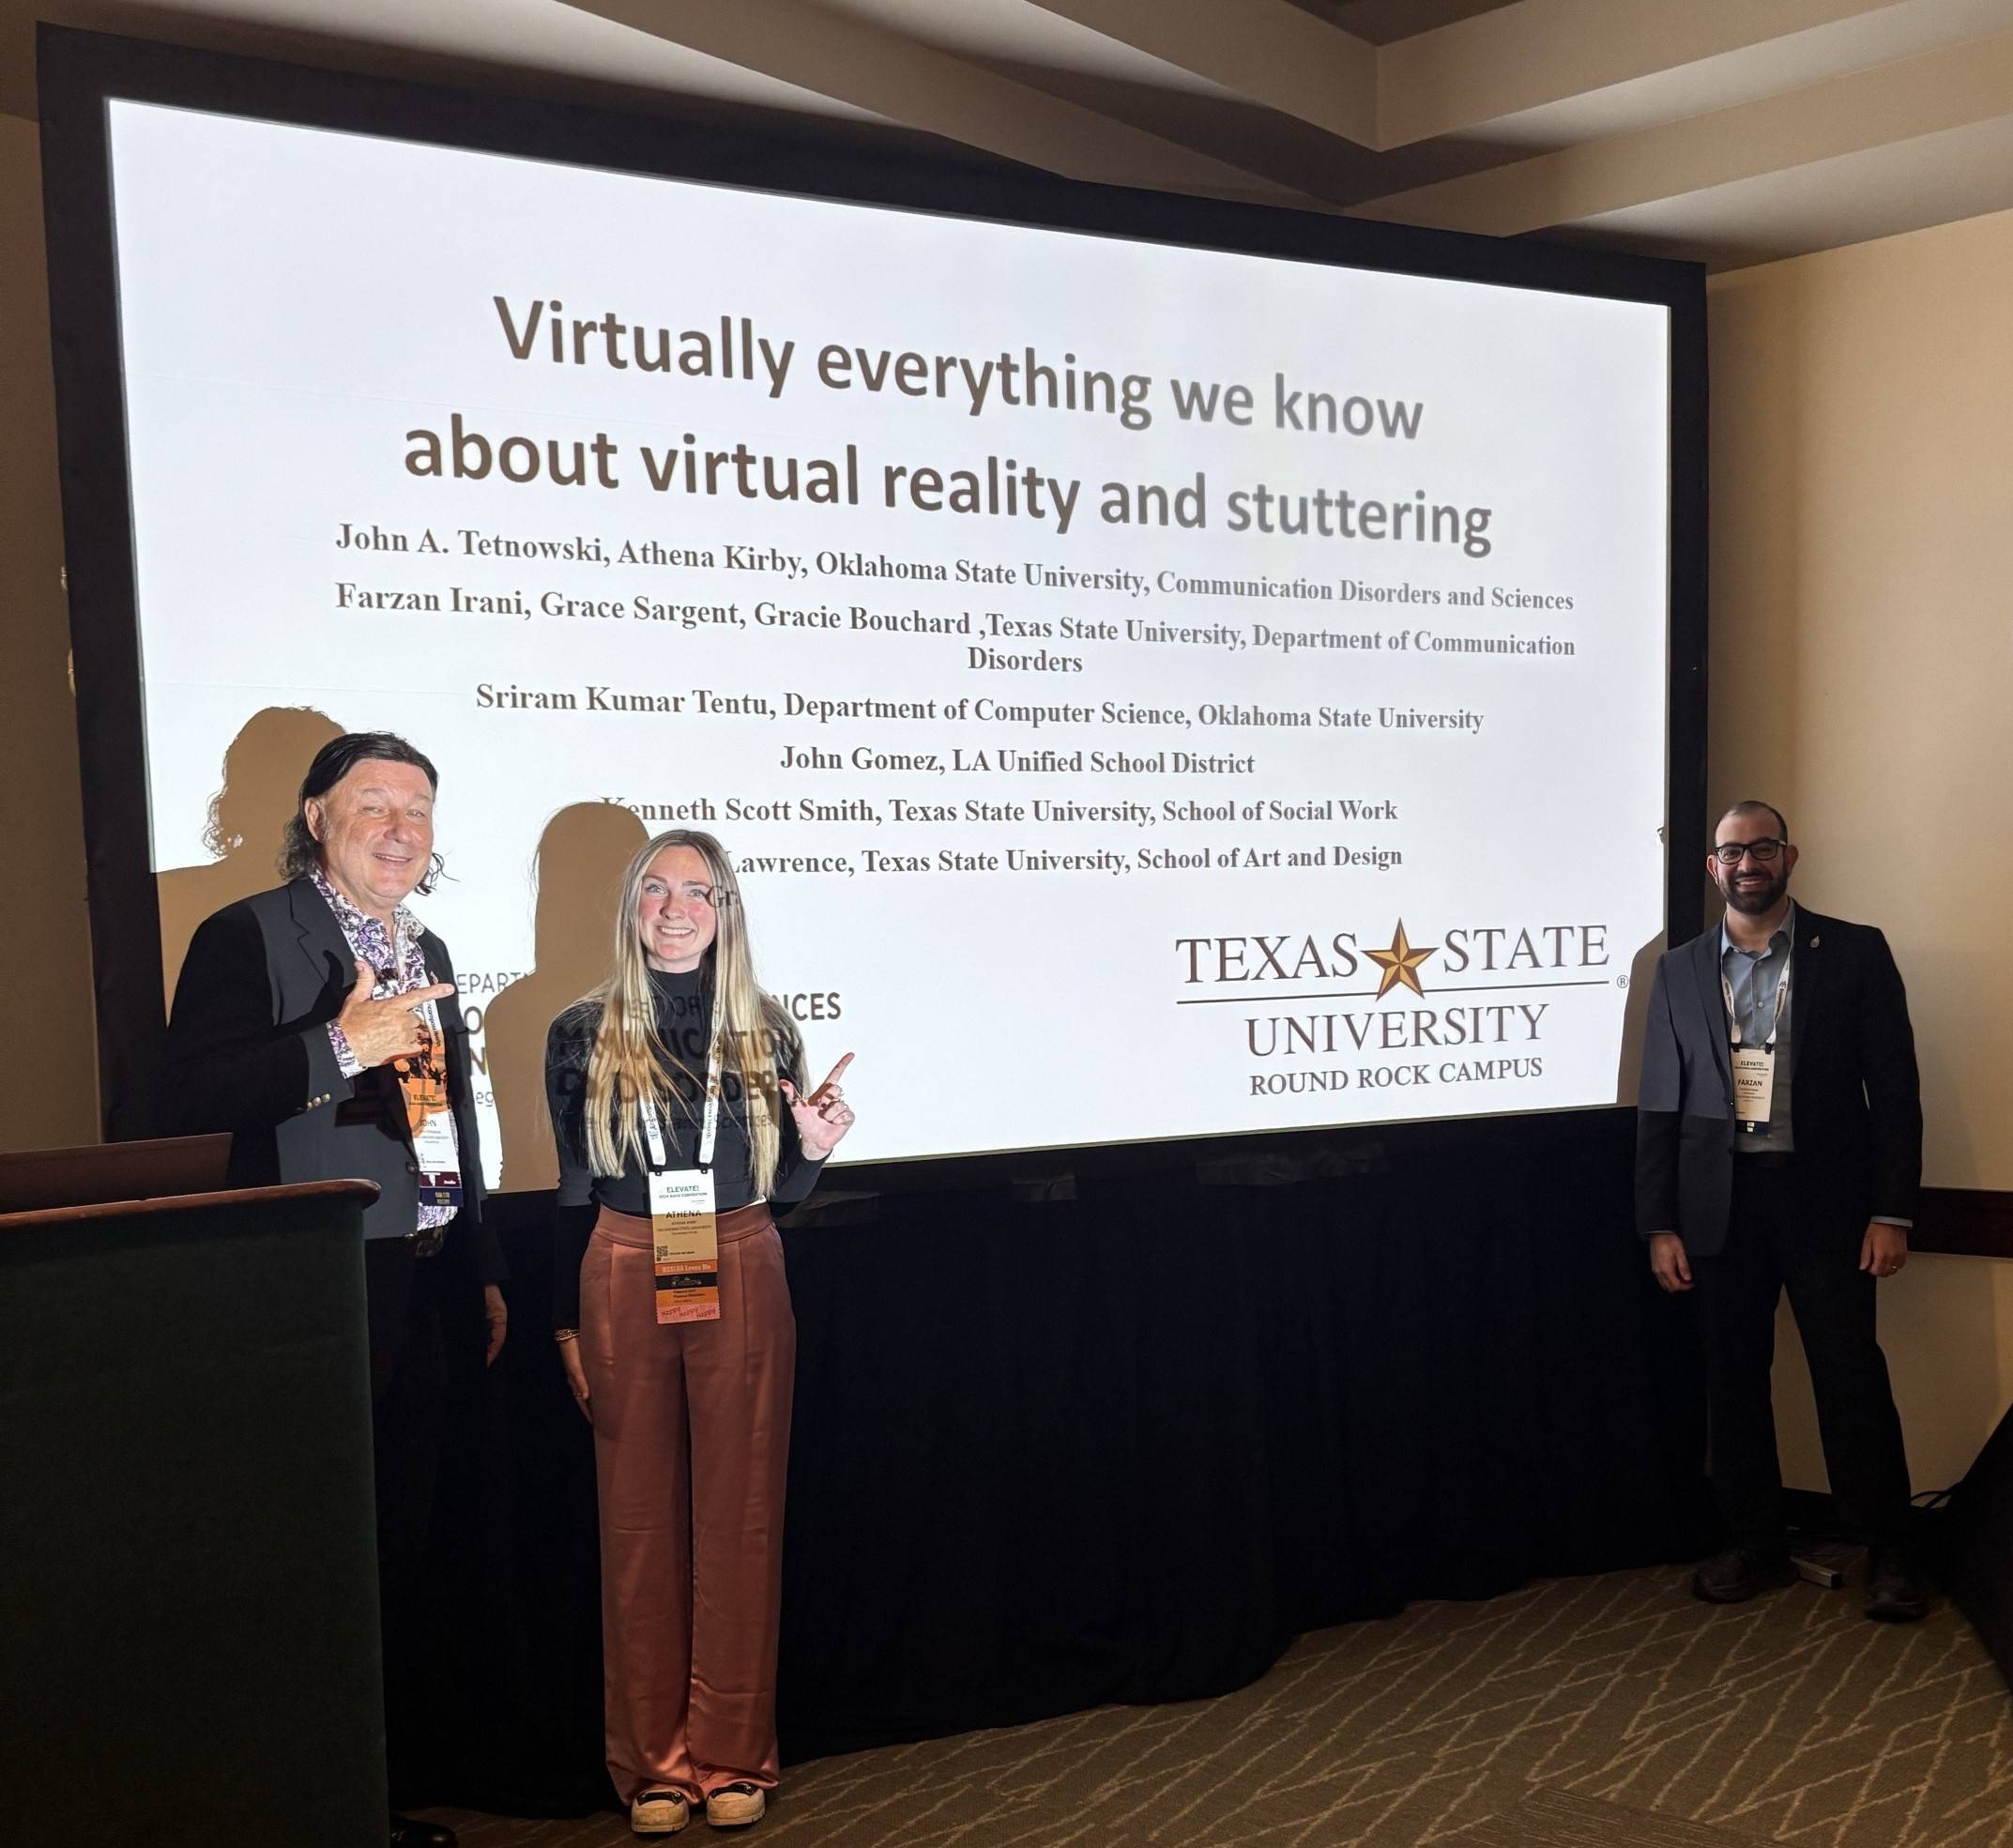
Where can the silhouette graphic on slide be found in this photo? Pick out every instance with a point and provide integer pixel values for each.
(579, 864)
(262, 773)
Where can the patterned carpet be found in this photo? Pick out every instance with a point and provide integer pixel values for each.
(1579, 1714)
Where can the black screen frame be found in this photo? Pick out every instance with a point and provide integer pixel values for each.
(80, 72)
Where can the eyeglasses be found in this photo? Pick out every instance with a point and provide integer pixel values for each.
(1729, 852)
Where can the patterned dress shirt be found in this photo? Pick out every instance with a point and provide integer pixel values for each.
(405, 968)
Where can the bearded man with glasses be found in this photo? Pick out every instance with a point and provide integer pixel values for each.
(1779, 1146)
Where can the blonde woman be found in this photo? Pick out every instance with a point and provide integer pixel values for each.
(672, 1088)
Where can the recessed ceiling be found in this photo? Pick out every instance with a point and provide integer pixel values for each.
(1381, 22)
(1727, 130)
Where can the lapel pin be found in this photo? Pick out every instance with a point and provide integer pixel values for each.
(1815, 941)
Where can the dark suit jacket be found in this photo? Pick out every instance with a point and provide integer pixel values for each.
(1854, 1103)
(249, 1052)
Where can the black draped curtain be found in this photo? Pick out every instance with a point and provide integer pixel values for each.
(1118, 1440)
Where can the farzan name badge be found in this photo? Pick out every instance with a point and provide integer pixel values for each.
(1754, 1066)
(1754, 1087)
(684, 1225)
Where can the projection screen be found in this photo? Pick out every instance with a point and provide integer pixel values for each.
(1150, 690)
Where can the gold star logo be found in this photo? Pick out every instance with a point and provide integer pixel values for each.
(1400, 964)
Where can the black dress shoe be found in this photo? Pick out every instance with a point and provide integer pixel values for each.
(407, 1833)
(1739, 1573)
(1895, 1594)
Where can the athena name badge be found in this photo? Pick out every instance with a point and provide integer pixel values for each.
(684, 1225)
(685, 1238)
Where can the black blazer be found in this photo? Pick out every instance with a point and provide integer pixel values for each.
(249, 1052)
(1854, 1101)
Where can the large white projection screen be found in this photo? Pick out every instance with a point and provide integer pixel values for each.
(1149, 692)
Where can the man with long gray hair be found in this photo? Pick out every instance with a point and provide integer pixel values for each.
(316, 1022)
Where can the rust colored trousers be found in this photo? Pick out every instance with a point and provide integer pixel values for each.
(691, 1438)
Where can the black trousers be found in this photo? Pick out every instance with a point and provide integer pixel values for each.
(1775, 1241)
(427, 1336)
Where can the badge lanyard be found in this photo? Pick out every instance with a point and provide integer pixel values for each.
(684, 1224)
(422, 1077)
(1754, 1066)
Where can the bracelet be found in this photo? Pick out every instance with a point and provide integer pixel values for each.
(566, 1335)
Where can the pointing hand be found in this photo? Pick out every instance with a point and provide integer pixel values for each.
(381, 1032)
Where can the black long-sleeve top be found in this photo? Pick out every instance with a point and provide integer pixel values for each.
(684, 1013)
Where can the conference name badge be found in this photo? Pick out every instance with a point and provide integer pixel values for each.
(422, 1080)
(1754, 1087)
(1754, 1066)
(684, 1228)
(433, 1148)
(685, 1242)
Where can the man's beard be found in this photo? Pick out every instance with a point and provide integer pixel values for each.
(1756, 900)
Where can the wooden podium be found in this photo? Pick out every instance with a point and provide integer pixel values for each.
(188, 1577)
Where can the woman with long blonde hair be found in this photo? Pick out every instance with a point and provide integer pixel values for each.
(674, 1105)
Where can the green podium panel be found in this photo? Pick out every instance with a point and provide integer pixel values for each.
(187, 1583)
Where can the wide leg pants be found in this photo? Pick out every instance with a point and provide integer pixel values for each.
(692, 1435)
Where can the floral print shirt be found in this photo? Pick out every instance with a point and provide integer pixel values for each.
(406, 962)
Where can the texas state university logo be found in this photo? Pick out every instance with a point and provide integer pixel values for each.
(1470, 1005)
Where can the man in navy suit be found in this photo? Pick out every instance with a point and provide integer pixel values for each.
(317, 1023)
(1779, 1146)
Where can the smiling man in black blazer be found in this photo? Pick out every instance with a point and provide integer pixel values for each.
(317, 1023)
(1779, 1146)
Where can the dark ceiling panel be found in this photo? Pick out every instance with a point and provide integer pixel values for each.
(1380, 21)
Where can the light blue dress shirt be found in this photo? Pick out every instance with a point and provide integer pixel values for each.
(1760, 1007)
(1755, 978)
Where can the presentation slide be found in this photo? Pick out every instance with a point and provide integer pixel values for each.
(1148, 692)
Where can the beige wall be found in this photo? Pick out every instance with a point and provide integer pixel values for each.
(48, 1081)
(1862, 669)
